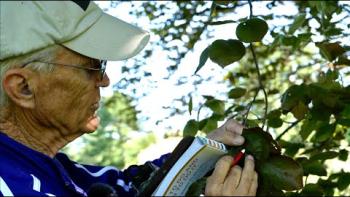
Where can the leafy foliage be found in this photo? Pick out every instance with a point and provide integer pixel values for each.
(303, 65)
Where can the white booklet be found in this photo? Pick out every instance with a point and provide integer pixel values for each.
(192, 164)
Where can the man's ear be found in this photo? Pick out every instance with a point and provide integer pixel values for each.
(16, 83)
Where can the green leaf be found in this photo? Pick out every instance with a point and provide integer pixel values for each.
(274, 114)
(283, 172)
(324, 156)
(191, 128)
(299, 111)
(252, 123)
(293, 95)
(343, 155)
(251, 30)
(330, 50)
(307, 127)
(344, 122)
(342, 60)
(257, 143)
(289, 40)
(324, 132)
(290, 148)
(216, 106)
(210, 125)
(274, 122)
(190, 105)
(298, 22)
(225, 52)
(328, 186)
(236, 93)
(344, 181)
(346, 112)
(202, 59)
(333, 31)
(312, 189)
(314, 167)
(202, 123)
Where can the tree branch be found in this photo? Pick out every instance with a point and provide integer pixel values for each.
(287, 129)
(261, 86)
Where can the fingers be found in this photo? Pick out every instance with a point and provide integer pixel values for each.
(221, 169)
(232, 180)
(229, 133)
(216, 180)
(233, 126)
(228, 138)
(248, 174)
(253, 186)
(233, 132)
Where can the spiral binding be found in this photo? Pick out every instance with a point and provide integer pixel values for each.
(212, 143)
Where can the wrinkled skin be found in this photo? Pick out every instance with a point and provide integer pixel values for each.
(228, 180)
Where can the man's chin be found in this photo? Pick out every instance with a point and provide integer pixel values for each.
(92, 124)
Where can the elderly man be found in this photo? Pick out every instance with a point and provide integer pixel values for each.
(51, 74)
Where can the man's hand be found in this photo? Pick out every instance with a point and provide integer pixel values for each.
(229, 133)
(232, 181)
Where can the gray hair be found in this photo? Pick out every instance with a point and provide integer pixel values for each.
(47, 54)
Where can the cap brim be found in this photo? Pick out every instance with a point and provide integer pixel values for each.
(109, 39)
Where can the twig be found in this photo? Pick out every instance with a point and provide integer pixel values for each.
(258, 72)
(249, 106)
(261, 86)
(287, 129)
(250, 9)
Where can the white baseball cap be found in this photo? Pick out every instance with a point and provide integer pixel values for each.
(81, 26)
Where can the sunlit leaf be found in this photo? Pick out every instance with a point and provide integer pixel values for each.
(210, 126)
(236, 93)
(191, 128)
(283, 172)
(216, 106)
(190, 105)
(202, 59)
(298, 21)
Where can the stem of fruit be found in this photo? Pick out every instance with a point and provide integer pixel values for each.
(261, 86)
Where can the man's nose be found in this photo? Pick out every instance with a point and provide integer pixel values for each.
(104, 82)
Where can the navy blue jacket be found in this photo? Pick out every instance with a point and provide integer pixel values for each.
(26, 172)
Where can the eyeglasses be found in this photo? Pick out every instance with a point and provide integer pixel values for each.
(102, 65)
